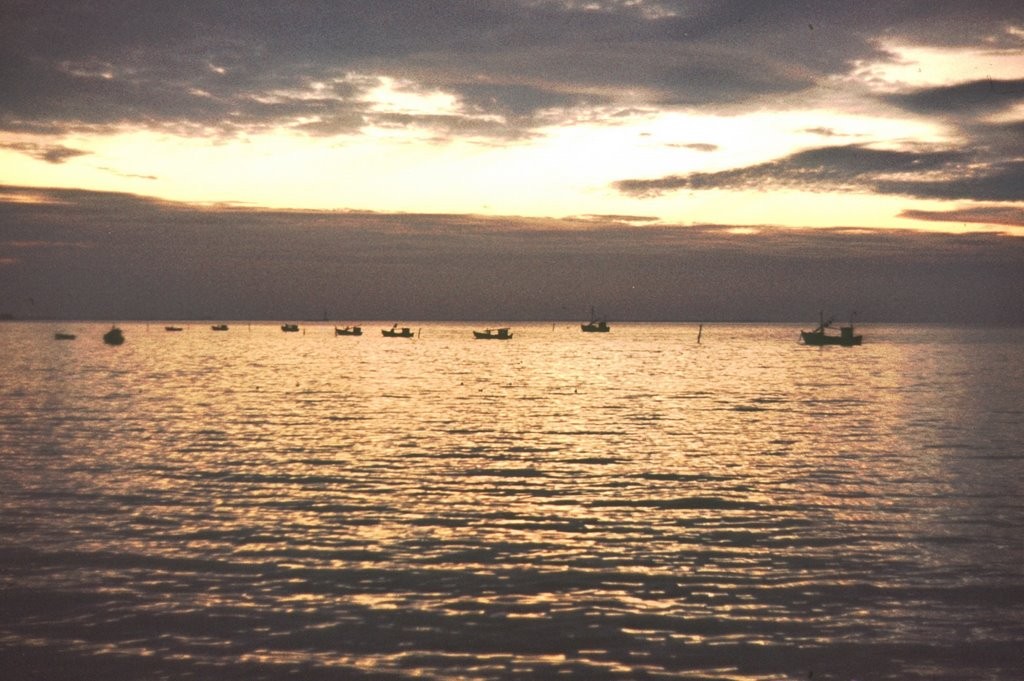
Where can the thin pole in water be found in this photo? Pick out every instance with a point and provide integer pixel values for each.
(700, 330)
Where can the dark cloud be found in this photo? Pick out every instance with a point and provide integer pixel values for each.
(992, 182)
(220, 68)
(851, 167)
(825, 132)
(51, 153)
(988, 166)
(974, 97)
(1006, 138)
(988, 215)
(81, 254)
(519, 102)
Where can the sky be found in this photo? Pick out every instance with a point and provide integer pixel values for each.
(470, 159)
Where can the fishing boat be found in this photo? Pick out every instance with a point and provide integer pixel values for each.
(114, 336)
(290, 328)
(595, 325)
(60, 335)
(219, 327)
(820, 336)
(349, 331)
(493, 334)
(173, 328)
(396, 332)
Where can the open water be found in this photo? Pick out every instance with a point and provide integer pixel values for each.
(253, 504)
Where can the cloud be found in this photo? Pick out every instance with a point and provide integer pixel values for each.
(994, 182)
(51, 153)
(849, 167)
(226, 68)
(619, 218)
(697, 146)
(134, 176)
(82, 254)
(974, 97)
(825, 132)
(988, 215)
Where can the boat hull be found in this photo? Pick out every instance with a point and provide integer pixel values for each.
(500, 334)
(113, 337)
(818, 338)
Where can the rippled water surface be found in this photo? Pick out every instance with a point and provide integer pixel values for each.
(253, 504)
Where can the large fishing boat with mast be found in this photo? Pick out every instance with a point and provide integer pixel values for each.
(595, 325)
(820, 335)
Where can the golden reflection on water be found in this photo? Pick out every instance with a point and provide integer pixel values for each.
(600, 505)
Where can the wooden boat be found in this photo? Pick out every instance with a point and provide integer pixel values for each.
(819, 336)
(60, 335)
(595, 325)
(173, 328)
(395, 332)
(493, 334)
(349, 331)
(219, 327)
(114, 336)
(290, 328)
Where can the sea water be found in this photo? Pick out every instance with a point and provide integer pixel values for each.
(253, 504)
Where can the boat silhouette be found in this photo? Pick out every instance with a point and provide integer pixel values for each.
(493, 334)
(396, 332)
(114, 336)
(595, 325)
(820, 336)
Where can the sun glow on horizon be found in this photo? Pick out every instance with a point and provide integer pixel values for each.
(561, 170)
(566, 173)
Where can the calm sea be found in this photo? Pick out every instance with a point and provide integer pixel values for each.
(253, 504)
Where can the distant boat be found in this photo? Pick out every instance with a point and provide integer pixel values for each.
(395, 332)
(595, 325)
(819, 336)
(493, 334)
(290, 328)
(173, 328)
(60, 335)
(114, 336)
(219, 327)
(349, 331)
